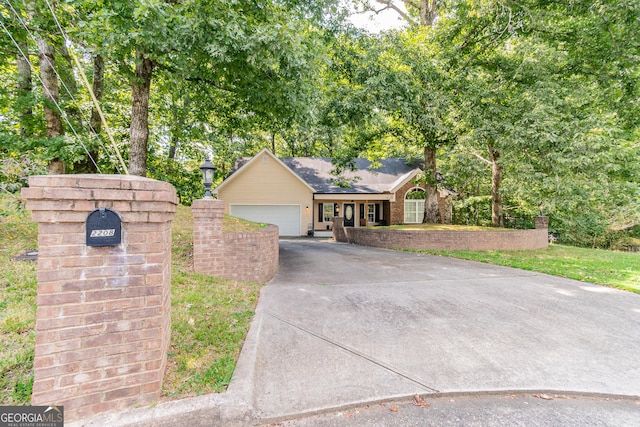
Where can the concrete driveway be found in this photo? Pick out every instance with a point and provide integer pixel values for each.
(341, 325)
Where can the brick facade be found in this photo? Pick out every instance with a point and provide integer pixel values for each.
(242, 256)
(103, 315)
(485, 240)
(397, 207)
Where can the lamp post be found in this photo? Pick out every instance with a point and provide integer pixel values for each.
(208, 169)
(540, 206)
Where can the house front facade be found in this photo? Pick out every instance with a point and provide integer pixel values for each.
(301, 195)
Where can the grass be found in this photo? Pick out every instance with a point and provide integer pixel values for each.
(431, 226)
(17, 304)
(209, 320)
(609, 268)
(233, 224)
(210, 317)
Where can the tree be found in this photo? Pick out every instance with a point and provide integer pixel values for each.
(257, 53)
(539, 78)
(52, 98)
(422, 15)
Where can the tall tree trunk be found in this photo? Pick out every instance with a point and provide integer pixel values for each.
(428, 11)
(98, 88)
(273, 143)
(173, 147)
(178, 122)
(51, 94)
(139, 128)
(70, 85)
(24, 89)
(431, 209)
(496, 181)
(89, 164)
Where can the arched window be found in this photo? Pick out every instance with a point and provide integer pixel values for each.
(414, 205)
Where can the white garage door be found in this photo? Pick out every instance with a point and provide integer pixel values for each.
(286, 217)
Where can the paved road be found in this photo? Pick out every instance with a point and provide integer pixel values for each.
(343, 325)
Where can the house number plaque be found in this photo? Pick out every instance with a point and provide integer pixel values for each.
(104, 228)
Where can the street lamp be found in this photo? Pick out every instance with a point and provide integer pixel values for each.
(208, 169)
(540, 206)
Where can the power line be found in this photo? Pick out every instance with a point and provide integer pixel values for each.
(45, 88)
(62, 113)
(89, 88)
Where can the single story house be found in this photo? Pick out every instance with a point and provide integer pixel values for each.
(300, 194)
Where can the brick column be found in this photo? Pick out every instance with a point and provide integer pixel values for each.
(103, 316)
(542, 221)
(208, 243)
(339, 233)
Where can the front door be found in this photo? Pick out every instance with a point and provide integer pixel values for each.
(349, 215)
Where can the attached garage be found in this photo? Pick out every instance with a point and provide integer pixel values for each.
(286, 217)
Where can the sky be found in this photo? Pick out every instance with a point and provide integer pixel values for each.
(376, 23)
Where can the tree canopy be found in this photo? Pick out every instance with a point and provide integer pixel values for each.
(523, 104)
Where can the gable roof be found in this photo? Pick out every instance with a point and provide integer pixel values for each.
(315, 173)
(245, 162)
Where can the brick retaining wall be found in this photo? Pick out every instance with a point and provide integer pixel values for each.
(251, 256)
(485, 240)
(242, 256)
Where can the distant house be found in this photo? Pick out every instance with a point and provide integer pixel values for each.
(300, 194)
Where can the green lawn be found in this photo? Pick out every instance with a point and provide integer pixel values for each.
(209, 320)
(17, 304)
(210, 317)
(608, 268)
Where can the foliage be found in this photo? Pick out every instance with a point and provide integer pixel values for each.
(474, 210)
(529, 106)
(545, 93)
(188, 183)
(15, 171)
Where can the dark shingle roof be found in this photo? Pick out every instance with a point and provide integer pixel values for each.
(316, 171)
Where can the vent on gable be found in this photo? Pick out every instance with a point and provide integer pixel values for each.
(265, 159)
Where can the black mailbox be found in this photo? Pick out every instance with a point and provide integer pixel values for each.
(104, 228)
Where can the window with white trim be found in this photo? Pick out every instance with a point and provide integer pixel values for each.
(327, 212)
(414, 205)
(371, 212)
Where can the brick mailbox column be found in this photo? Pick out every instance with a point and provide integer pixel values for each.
(208, 243)
(103, 315)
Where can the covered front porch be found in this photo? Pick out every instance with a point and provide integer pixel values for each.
(358, 210)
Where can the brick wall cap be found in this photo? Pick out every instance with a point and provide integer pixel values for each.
(207, 204)
(158, 190)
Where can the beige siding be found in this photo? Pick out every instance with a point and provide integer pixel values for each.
(266, 181)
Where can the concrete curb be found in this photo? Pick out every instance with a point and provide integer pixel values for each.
(408, 398)
(211, 409)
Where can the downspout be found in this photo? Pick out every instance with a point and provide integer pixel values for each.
(313, 213)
